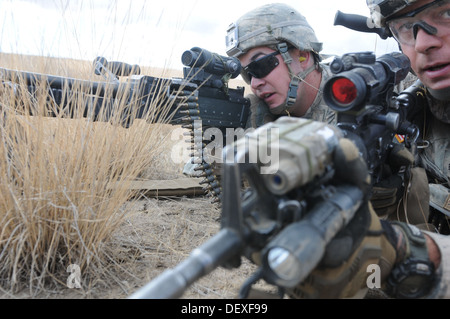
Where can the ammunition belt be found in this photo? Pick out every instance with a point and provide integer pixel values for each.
(190, 110)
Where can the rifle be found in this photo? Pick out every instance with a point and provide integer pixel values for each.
(199, 100)
(292, 210)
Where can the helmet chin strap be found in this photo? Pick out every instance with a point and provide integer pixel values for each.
(295, 81)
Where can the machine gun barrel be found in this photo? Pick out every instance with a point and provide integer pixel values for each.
(32, 79)
(114, 69)
(218, 105)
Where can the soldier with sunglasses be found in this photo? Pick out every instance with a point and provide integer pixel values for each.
(279, 53)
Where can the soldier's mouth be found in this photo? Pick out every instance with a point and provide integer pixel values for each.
(437, 71)
(437, 67)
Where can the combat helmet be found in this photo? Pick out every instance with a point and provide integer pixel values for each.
(279, 27)
(269, 25)
(380, 10)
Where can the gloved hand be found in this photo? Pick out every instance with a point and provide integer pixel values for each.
(342, 272)
(387, 193)
(413, 275)
(399, 250)
(345, 269)
(366, 241)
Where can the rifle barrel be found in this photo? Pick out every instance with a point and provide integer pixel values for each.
(172, 283)
(60, 82)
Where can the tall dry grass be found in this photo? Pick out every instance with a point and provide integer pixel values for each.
(63, 186)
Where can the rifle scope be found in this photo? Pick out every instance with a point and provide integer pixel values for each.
(211, 63)
(361, 79)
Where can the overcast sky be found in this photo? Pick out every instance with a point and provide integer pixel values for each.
(156, 33)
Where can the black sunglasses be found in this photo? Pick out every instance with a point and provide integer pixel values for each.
(261, 68)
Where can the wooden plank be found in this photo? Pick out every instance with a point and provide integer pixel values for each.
(176, 187)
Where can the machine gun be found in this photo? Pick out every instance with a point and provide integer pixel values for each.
(292, 209)
(199, 100)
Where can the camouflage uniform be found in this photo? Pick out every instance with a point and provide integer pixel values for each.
(436, 157)
(435, 154)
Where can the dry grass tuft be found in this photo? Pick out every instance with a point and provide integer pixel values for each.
(64, 200)
(63, 187)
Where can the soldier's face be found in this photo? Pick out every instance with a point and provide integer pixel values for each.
(272, 88)
(430, 54)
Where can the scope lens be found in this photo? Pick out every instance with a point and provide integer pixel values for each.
(344, 91)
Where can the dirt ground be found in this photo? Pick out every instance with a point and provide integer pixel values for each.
(161, 232)
(158, 234)
(168, 230)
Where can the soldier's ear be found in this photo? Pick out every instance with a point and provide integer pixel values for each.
(303, 56)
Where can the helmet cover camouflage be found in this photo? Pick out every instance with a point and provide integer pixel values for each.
(269, 25)
(380, 10)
